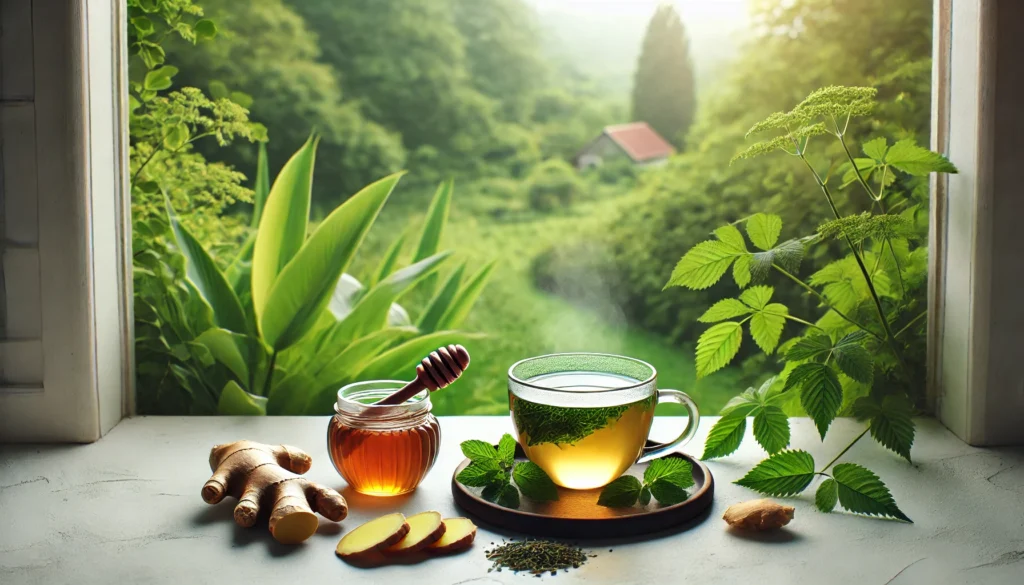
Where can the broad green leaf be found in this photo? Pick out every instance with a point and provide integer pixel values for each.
(433, 226)
(741, 270)
(861, 491)
(757, 296)
(202, 271)
(717, 347)
(730, 236)
(866, 166)
(159, 79)
(507, 450)
(479, 474)
(724, 309)
(235, 401)
(668, 493)
(810, 347)
(303, 289)
(621, 493)
(442, 301)
(176, 137)
(764, 230)
(890, 421)
(291, 395)
(205, 29)
(387, 265)
(671, 469)
(785, 473)
(231, 349)
(853, 358)
(910, 158)
(218, 90)
(143, 25)
(771, 429)
(400, 361)
(262, 187)
(464, 300)
(788, 255)
(876, 149)
(282, 226)
(508, 496)
(827, 495)
(533, 482)
(645, 496)
(727, 434)
(479, 451)
(766, 326)
(343, 366)
(820, 392)
(704, 264)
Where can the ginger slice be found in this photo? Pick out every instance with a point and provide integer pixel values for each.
(365, 542)
(758, 515)
(424, 529)
(458, 536)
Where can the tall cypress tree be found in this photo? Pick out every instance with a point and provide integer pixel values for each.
(663, 87)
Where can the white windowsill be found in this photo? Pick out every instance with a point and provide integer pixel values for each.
(127, 510)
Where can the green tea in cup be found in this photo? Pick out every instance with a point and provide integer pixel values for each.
(584, 418)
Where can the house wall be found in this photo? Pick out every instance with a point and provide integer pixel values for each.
(599, 151)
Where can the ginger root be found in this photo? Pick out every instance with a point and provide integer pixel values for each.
(365, 543)
(458, 536)
(265, 477)
(758, 515)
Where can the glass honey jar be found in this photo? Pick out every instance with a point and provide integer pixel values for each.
(382, 450)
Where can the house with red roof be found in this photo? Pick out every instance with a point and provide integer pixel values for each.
(636, 141)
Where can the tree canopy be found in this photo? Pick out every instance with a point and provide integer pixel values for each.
(663, 89)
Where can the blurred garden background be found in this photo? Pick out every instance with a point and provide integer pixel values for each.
(589, 145)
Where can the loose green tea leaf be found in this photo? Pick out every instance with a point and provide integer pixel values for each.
(621, 493)
(784, 474)
(535, 556)
(534, 483)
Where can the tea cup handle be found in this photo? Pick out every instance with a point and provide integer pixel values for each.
(655, 451)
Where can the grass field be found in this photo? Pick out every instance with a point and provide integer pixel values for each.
(520, 321)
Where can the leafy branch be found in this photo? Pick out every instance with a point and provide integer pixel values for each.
(494, 470)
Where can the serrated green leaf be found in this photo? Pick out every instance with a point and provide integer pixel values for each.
(479, 451)
(645, 496)
(821, 395)
(890, 421)
(727, 434)
(621, 493)
(717, 347)
(876, 149)
(703, 265)
(810, 347)
(671, 469)
(507, 450)
(853, 358)
(730, 236)
(724, 309)
(764, 230)
(668, 493)
(479, 474)
(862, 491)
(788, 255)
(741, 270)
(827, 495)
(508, 496)
(771, 429)
(757, 296)
(785, 473)
(534, 483)
(766, 326)
(910, 158)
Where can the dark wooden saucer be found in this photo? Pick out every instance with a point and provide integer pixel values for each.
(576, 514)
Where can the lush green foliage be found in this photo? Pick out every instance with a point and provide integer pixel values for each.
(664, 95)
(494, 470)
(666, 479)
(855, 356)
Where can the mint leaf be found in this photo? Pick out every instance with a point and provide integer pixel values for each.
(533, 482)
(668, 493)
(507, 450)
(861, 491)
(476, 450)
(507, 496)
(671, 469)
(766, 326)
(724, 309)
(784, 474)
(890, 422)
(910, 158)
(826, 496)
(810, 347)
(479, 474)
(771, 428)
(490, 491)
(621, 493)
(704, 264)
(764, 229)
(645, 496)
(821, 394)
(717, 347)
(853, 358)
(727, 434)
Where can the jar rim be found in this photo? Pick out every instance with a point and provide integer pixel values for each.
(348, 398)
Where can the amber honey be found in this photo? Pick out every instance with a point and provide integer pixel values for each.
(382, 450)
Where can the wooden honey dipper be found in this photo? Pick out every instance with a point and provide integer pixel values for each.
(437, 370)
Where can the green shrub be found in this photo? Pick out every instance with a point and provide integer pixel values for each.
(552, 185)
